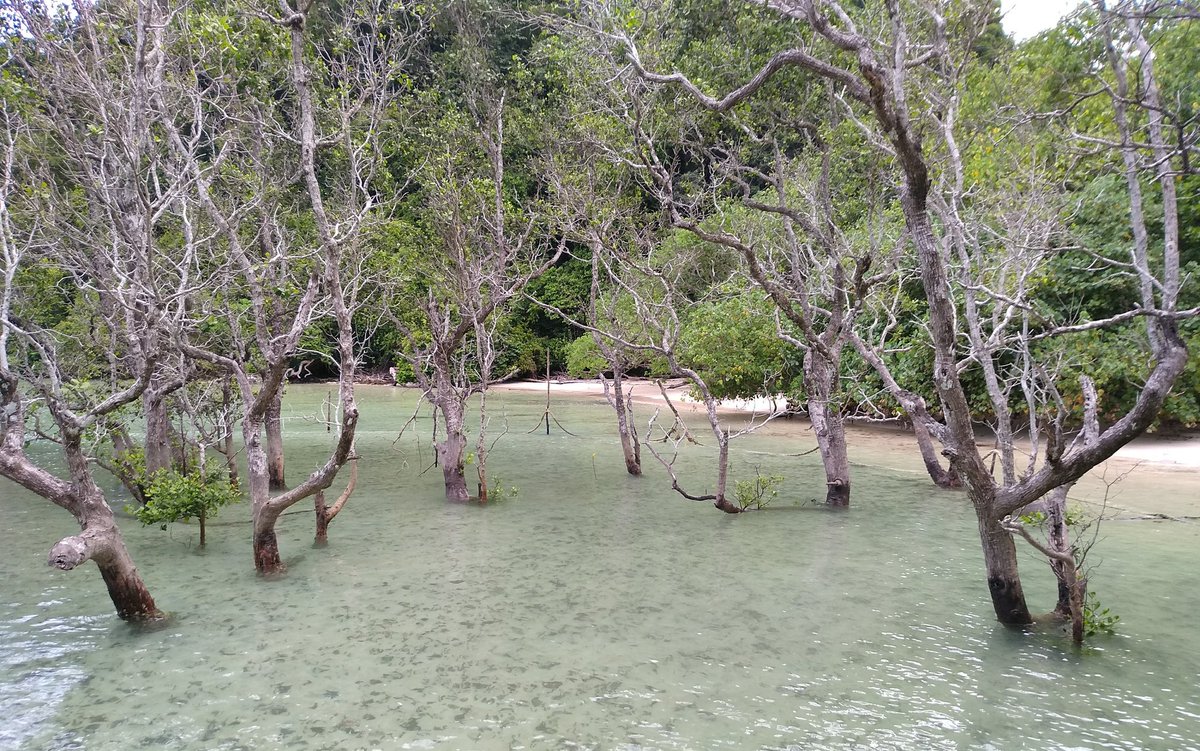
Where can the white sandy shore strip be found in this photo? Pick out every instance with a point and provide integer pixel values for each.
(1164, 452)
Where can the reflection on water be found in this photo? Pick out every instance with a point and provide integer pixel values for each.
(594, 610)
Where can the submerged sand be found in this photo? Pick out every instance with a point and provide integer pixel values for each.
(1154, 476)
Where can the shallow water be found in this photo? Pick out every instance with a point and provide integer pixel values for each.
(593, 610)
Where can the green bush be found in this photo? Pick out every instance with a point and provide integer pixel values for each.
(173, 496)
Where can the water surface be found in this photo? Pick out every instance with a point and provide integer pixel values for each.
(593, 610)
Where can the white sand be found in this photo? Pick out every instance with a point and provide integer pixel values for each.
(1165, 453)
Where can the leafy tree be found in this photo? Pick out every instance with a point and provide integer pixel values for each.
(173, 496)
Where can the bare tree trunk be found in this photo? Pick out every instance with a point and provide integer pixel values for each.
(266, 546)
(266, 550)
(158, 449)
(322, 516)
(100, 540)
(621, 402)
(274, 425)
(1003, 578)
(630, 446)
(721, 501)
(451, 450)
(1071, 587)
(125, 586)
(227, 425)
(820, 378)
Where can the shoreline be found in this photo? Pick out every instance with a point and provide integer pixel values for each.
(1174, 453)
(1153, 478)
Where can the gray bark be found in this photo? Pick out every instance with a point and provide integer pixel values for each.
(820, 380)
(274, 433)
(159, 452)
(451, 450)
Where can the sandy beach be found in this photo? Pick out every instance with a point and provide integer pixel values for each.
(1176, 451)
(1152, 476)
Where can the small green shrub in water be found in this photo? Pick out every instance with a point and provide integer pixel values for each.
(500, 493)
(757, 493)
(1097, 619)
(173, 496)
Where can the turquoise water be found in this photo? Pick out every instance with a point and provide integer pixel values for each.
(593, 610)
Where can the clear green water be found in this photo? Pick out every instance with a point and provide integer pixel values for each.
(594, 610)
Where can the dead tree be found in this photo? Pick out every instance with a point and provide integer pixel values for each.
(285, 281)
(488, 253)
(587, 194)
(775, 211)
(652, 327)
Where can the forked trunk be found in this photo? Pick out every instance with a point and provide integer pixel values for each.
(274, 427)
(1003, 578)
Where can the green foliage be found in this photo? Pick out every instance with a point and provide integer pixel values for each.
(173, 496)
(734, 345)
(584, 359)
(497, 491)
(757, 493)
(1097, 619)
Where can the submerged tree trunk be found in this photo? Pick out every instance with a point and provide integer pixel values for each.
(721, 501)
(274, 426)
(1003, 578)
(266, 552)
(125, 586)
(1071, 586)
(820, 376)
(266, 546)
(451, 451)
(622, 404)
(321, 512)
(101, 541)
